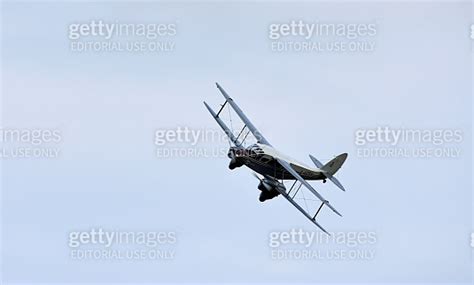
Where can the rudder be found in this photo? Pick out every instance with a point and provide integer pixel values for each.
(333, 166)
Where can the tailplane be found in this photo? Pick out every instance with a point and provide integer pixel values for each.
(331, 168)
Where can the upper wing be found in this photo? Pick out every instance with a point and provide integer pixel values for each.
(256, 133)
(295, 174)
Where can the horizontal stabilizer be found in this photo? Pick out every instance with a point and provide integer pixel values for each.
(316, 162)
(335, 181)
(331, 167)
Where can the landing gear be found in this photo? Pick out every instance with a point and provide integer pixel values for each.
(324, 180)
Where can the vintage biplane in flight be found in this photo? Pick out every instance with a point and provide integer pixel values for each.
(276, 168)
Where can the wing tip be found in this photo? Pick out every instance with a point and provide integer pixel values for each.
(320, 227)
(226, 96)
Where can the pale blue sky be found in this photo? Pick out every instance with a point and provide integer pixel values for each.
(108, 106)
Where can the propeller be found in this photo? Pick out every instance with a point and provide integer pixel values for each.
(231, 153)
(256, 176)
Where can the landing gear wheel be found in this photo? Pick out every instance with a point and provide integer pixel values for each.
(324, 180)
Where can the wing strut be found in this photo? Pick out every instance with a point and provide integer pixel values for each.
(222, 108)
(238, 136)
(224, 127)
(317, 212)
(242, 116)
(292, 186)
(301, 184)
(297, 206)
(295, 174)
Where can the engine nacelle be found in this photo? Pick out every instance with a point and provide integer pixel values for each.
(234, 163)
(269, 190)
(262, 186)
(236, 159)
(267, 195)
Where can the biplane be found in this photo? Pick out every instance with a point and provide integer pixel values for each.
(276, 168)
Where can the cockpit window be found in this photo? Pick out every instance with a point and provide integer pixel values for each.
(265, 159)
(255, 150)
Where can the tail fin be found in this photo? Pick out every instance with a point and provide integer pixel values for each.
(331, 168)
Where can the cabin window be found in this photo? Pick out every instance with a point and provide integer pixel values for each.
(265, 159)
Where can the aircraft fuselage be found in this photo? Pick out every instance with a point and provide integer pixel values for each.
(261, 159)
